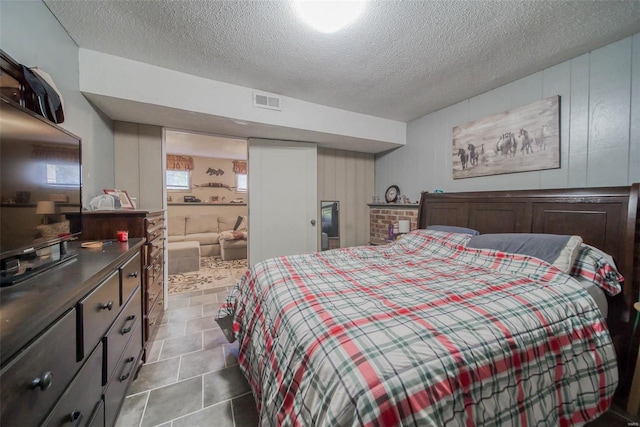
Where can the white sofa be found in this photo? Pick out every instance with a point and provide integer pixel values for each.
(206, 230)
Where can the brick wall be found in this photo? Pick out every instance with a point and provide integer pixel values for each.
(381, 217)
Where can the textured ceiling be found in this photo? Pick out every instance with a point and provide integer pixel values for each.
(401, 60)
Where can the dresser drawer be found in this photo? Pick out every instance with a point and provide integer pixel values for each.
(124, 373)
(83, 397)
(154, 289)
(131, 277)
(154, 269)
(36, 378)
(154, 250)
(154, 316)
(97, 419)
(96, 312)
(155, 227)
(126, 326)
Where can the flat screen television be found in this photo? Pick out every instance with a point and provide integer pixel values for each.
(40, 181)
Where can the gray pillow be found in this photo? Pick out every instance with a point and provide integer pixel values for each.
(453, 229)
(559, 250)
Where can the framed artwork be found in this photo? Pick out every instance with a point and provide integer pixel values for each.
(125, 200)
(523, 139)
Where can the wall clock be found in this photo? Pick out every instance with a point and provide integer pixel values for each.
(392, 193)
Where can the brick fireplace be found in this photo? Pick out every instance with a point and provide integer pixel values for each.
(381, 215)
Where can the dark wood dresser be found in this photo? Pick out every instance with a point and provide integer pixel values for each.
(71, 339)
(150, 224)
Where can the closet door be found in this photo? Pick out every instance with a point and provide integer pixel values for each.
(282, 199)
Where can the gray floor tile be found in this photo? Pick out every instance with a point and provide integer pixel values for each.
(173, 401)
(230, 354)
(183, 295)
(153, 351)
(180, 314)
(245, 411)
(132, 410)
(200, 324)
(157, 374)
(219, 415)
(203, 299)
(175, 303)
(213, 308)
(223, 295)
(213, 338)
(223, 385)
(171, 330)
(201, 362)
(165, 318)
(177, 346)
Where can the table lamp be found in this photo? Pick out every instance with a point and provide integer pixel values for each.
(46, 208)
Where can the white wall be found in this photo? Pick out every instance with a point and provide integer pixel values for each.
(116, 77)
(599, 120)
(32, 36)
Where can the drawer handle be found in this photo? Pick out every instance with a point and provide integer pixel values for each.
(128, 329)
(134, 274)
(107, 306)
(44, 382)
(154, 222)
(129, 360)
(75, 416)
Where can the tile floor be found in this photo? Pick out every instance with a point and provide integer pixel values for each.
(191, 377)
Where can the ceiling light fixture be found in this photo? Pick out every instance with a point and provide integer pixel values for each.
(329, 16)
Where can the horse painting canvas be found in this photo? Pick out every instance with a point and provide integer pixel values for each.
(522, 139)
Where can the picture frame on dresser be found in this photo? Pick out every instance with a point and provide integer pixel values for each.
(122, 195)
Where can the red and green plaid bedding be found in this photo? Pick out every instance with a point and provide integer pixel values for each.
(420, 332)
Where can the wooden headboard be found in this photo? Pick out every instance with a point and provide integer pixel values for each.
(604, 217)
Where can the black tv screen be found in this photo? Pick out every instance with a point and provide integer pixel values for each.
(40, 181)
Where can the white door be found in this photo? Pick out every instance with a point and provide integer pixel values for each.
(282, 199)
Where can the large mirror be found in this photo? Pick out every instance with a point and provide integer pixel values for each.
(330, 215)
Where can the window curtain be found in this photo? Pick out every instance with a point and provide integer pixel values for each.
(240, 166)
(55, 153)
(179, 162)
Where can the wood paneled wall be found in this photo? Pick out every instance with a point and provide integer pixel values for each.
(347, 177)
(138, 163)
(599, 129)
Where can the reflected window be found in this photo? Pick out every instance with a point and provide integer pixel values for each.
(179, 180)
(241, 182)
(63, 174)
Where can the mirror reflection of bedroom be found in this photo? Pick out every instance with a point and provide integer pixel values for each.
(206, 190)
(330, 217)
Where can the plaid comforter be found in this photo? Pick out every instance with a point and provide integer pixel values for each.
(420, 332)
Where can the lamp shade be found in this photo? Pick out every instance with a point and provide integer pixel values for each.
(46, 207)
(403, 226)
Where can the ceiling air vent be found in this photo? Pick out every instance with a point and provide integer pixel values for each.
(266, 100)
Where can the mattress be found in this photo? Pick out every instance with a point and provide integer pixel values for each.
(420, 332)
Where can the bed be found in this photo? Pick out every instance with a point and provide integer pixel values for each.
(427, 331)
